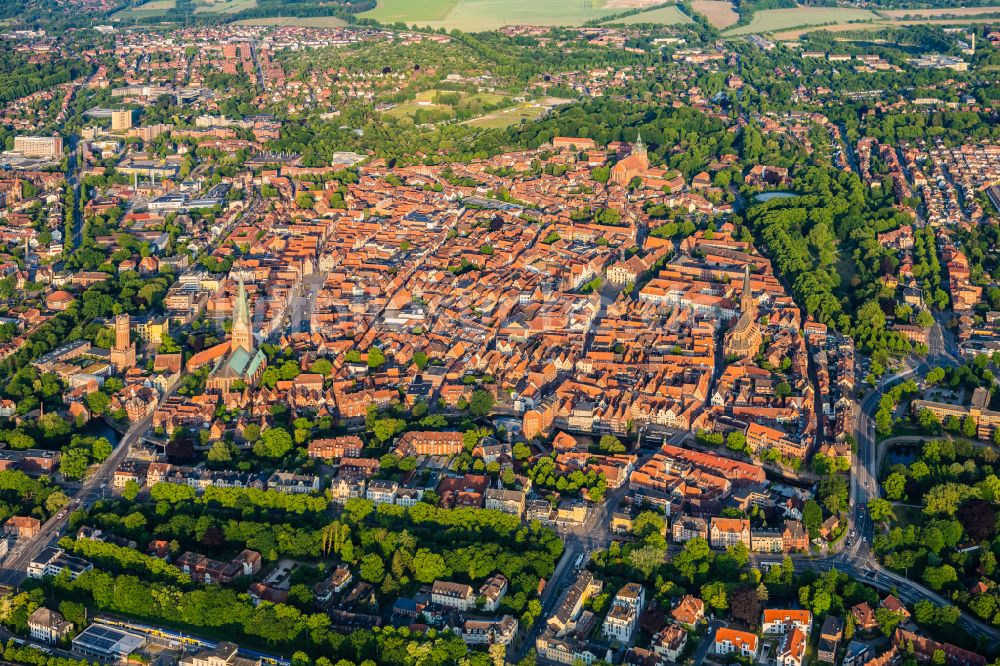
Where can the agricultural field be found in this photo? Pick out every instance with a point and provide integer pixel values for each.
(664, 16)
(224, 7)
(796, 33)
(304, 22)
(773, 20)
(411, 11)
(153, 8)
(479, 15)
(941, 12)
(720, 13)
(631, 4)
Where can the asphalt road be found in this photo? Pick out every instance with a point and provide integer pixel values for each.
(857, 559)
(552, 595)
(707, 642)
(13, 571)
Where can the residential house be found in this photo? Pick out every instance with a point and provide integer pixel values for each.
(53, 561)
(381, 491)
(623, 617)
(669, 642)
(792, 649)
(794, 537)
(584, 587)
(864, 617)
(453, 595)
(777, 621)
(690, 611)
(492, 591)
(490, 632)
(333, 584)
(729, 641)
(725, 532)
(22, 527)
(689, 527)
(508, 501)
(829, 639)
(48, 626)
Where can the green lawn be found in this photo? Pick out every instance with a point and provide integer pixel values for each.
(507, 117)
(481, 15)
(908, 515)
(410, 108)
(664, 16)
(771, 20)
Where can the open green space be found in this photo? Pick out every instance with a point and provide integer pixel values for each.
(508, 117)
(302, 22)
(480, 15)
(664, 16)
(226, 7)
(771, 20)
(153, 8)
(882, 24)
(431, 106)
(409, 11)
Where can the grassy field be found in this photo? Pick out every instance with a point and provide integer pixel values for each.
(480, 15)
(306, 22)
(663, 16)
(150, 9)
(428, 101)
(407, 109)
(522, 113)
(508, 117)
(773, 20)
(482, 97)
(411, 11)
(719, 13)
(226, 7)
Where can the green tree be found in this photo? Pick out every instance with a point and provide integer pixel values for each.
(219, 452)
(895, 486)
(74, 463)
(481, 402)
(100, 449)
(429, 566)
(372, 568)
(610, 444)
(880, 509)
(131, 490)
(304, 200)
(321, 366)
(376, 359)
(694, 558)
(98, 402)
(274, 443)
(938, 577)
(56, 501)
(969, 426)
(715, 595)
(812, 516)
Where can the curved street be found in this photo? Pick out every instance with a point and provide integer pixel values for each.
(858, 560)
